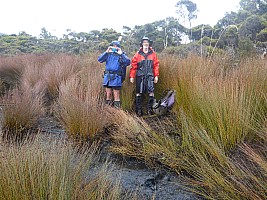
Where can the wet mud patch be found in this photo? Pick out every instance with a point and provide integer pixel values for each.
(134, 175)
(148, 183)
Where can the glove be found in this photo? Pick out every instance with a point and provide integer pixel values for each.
(156, 78)
(132, 80)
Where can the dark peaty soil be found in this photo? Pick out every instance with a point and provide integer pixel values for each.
(134, 175)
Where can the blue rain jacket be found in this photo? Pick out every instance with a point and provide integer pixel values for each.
(115, 70)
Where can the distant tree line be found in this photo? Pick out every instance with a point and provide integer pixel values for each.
(244, 31)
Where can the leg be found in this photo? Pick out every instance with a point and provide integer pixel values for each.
(150, 104)
(108, 96)
(116, 94)
(150, 89)
(117, 102)
(138, 104)
(138, 98)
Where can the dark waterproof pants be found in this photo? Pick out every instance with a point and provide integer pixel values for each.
(149, 105)
(138, 105)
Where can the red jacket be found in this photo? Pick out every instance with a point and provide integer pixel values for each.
(139, 56)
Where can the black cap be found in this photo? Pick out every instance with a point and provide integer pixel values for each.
(146, 38)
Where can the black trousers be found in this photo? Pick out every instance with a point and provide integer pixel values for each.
(144, 84)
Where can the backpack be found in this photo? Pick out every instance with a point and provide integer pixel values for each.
(165, 103)
(123, 68)
(123, 73)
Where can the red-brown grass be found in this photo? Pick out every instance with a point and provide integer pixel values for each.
(80, 104)
(57, 71)
(20, 111)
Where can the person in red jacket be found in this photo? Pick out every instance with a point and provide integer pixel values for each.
(145, 72)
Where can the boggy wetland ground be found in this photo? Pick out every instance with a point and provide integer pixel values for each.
(211, 146)
(134, 175)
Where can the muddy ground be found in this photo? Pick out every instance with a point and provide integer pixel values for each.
(134, 175)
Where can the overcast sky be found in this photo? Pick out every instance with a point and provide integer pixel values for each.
(86, 15)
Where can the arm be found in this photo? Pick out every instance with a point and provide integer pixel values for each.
(125, 61)
(103, 57)
(133, 66)
(156, 65)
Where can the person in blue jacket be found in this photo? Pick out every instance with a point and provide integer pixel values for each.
(115, 71)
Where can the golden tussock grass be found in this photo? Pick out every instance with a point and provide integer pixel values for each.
(39, 170)
(218, 108)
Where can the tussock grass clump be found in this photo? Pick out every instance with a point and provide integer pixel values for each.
(11, 70)
(20, 111)
(80, 105)
(168, 73)
(216, 175)
(129, 133)
(57, 71)
(225, 105)
(52, 171)
(127, 94)
(2, 87)
(133, 137)
(32, 75)
(218, 109)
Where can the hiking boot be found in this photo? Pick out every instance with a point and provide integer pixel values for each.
(117, 104)
(150, 112)
(139, 113)
(108, 102)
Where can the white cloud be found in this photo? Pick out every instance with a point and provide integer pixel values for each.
(85, 15)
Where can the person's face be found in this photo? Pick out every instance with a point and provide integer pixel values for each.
(145, 44)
